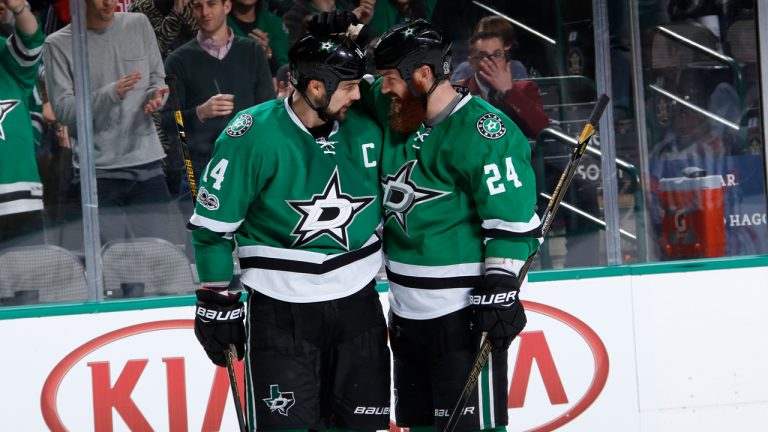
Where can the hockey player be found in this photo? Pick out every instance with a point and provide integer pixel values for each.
(294, 185)
(21, 192)
(458, 196)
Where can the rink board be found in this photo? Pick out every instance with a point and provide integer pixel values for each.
(626, 348)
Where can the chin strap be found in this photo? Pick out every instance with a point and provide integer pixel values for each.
(424, 96)
(322, 111)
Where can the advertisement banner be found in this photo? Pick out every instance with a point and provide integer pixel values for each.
(144, 370)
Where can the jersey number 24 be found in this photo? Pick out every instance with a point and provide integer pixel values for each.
(495, 185)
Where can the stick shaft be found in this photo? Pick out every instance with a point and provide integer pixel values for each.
(230, 354)
(170, 81)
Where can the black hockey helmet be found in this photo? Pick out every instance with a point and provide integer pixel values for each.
(411, 44)
(329, 59)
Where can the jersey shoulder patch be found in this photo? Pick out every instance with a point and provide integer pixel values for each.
(491, 126)
(240, 125)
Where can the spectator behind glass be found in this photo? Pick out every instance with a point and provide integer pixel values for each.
(126, 73)
(171, 19)
(503, 28)
(174, 25)
(492, 80)
(21, 191)
(250, 18)
(296, 17)
(218, 74)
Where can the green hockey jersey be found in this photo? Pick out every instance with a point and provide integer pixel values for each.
(303, 212)
(452, 195)
(20, 186)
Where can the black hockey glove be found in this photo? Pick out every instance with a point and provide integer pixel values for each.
(497, 310)
(219, 323)
(326, 23)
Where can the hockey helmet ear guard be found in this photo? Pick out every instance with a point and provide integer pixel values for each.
(329, 59)
(411, 44)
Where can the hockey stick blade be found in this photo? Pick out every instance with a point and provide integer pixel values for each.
(562, 185)
(231, 355)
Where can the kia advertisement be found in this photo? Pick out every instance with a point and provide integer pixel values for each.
(143, 370)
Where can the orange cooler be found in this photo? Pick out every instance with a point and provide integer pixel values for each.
(694, 219)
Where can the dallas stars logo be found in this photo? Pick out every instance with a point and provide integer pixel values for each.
(408, 32)
(402, 194)
(240, 126)
(491, 126)
(329, 213)
(326, 46)
(6, 106)
(279, 401)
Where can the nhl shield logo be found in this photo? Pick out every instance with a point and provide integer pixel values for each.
(491, 126)
(240, 126)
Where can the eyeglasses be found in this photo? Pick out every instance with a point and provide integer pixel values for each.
(497, 55)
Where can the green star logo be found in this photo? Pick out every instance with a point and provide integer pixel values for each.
(491, 126)
(326, 46)
(408, 32)
(6, 106)
(240, 126)
(279, 401)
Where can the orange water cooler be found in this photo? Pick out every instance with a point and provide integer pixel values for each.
(694, 219)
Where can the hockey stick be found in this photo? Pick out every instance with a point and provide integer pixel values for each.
(170, 81)
(549, 214)
(231, 353)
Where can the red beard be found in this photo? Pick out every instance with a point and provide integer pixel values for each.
(407, 113)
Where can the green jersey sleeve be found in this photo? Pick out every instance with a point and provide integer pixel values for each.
(20, 57)
(236, 173)
(503, 185)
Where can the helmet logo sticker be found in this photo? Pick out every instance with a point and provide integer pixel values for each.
(491, 126)
(327, 46)
(408, 32)
(240, 126)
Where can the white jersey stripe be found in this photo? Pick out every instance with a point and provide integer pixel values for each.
(214, 225)
(35, 187)
(421, 304)
(516, 227)
(453, 270)
(307, 288)
(21, 206)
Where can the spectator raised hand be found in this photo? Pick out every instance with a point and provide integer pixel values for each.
(156, 101)
(126, 83)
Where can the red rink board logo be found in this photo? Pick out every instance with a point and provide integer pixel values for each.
(119, 396)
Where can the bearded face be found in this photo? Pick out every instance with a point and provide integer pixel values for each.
(406, 112)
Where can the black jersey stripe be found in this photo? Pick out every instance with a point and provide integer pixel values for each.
(500, 233)
(17, 195)
(310, 268)
(21, 51)
(433, 283)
